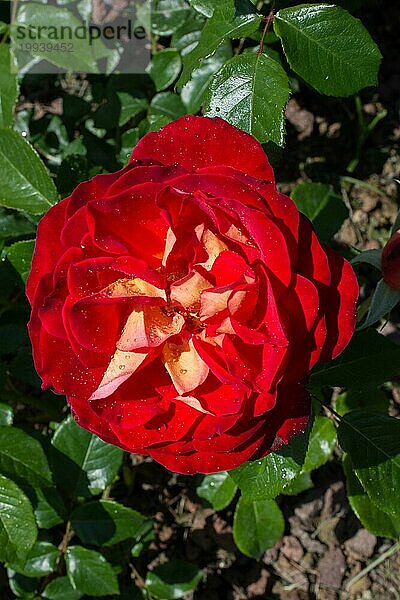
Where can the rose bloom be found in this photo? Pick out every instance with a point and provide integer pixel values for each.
(181, 302)
(391, 261)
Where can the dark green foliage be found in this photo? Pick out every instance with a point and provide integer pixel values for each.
(258, 525)
(322, 206)
(173, 580)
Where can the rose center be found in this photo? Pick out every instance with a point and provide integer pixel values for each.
(191, 315)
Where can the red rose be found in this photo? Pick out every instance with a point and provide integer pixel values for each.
(181, 302)
(391, 261)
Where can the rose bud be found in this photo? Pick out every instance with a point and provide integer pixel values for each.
(391, 261)
(181, 302)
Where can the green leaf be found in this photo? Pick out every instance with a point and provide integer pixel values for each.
(61, 589)
(20, 256)
(26, 184)
(130, 107)
(22, 457)
(167, 16)
(371, 399)
(217, 489)
(383, 301)
(18, 529)
(23, 587)
(371, 257)
(268, 477)
(100, 151)
(194, 92)
(59, 133)
(6, 415)
(90, 573)
(173, 580)
(75, 149)
(164, 68)
(205, 7)
(257, 526)
(119, 108)
(84, 465)
(156, 122)
(370, 515)
(329, 48)
(143, 544)
(48, 506)
(105, 523)
(250, 91)
(372, 441)
(227, 21)
(321, 445)
(368, 352)
(301, 483)
(129, 139)
(40, 561)
(167, 104)
(14, 225)
(188, 34)
(8, 86)
(84, 56)
(322, 206)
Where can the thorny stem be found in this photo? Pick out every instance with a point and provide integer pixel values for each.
(267, 20)
(240, 46)
(327, 406)
(137, 576)
(68, 535)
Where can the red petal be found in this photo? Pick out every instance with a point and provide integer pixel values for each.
(87, 418)
(197, 142)
(288, 418)
(312, 261)
(91, 190)
(391, 261)
(130, 224)
(221, 399)
(48, 248)
(206, 461)
(340, 303)
(137, 175)
(59, 366)
(302, 303)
